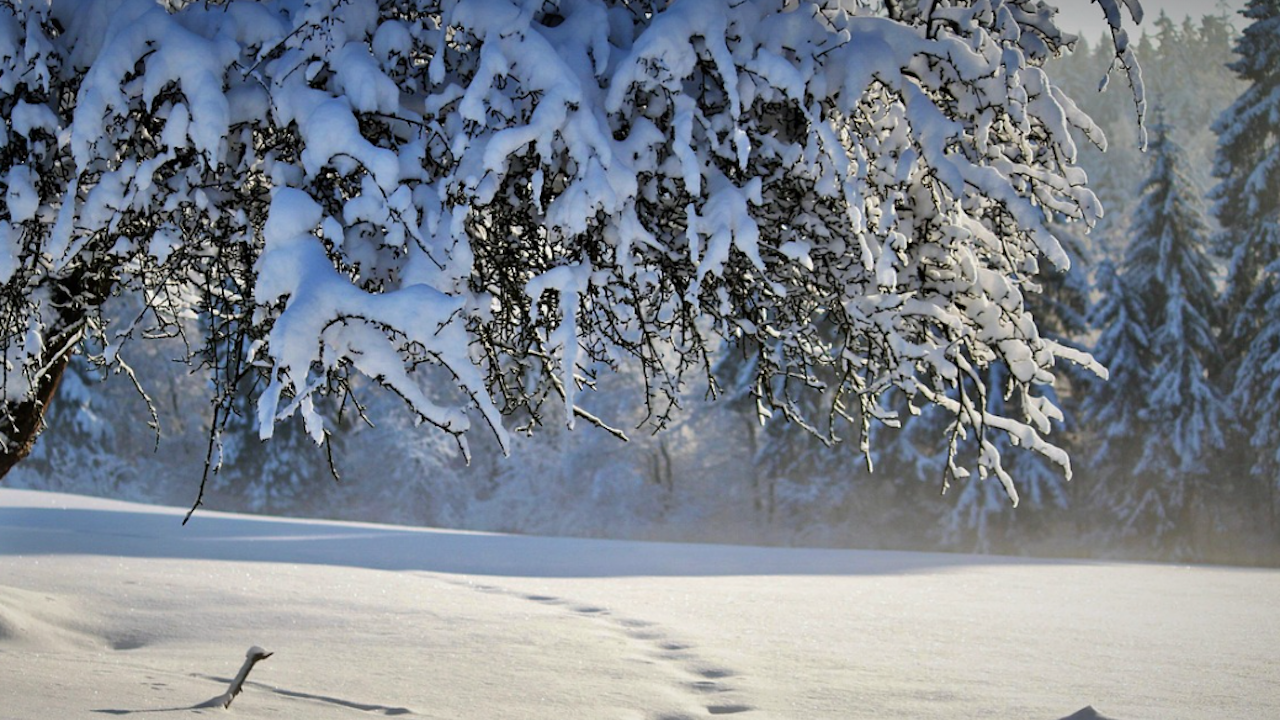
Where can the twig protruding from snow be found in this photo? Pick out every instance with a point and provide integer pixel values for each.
(252, 657)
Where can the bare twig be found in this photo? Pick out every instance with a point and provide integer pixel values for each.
(252, 657)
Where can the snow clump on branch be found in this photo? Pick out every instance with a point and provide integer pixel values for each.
(507, 197)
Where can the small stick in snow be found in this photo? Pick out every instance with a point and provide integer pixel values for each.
(252, 657)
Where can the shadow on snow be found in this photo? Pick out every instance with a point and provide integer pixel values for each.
(145, 532)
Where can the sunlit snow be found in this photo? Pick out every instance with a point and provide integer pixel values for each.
(109, 608)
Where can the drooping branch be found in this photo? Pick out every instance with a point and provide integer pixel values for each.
(513, 200)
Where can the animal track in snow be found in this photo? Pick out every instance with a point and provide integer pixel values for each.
(700, 680)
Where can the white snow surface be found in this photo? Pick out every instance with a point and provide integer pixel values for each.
(109, 608)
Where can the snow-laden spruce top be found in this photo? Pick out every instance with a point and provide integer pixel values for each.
(510, 196)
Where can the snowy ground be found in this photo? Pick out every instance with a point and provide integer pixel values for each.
(111, 608)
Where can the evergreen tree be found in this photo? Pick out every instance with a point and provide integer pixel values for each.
(1112, 405)
(1247, 205)
(1247, 198)
(1176, 279)
(1163, 419)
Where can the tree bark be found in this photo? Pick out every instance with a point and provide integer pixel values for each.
(73, 296)
(27, 417)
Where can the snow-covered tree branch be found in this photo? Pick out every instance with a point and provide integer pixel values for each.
(503, 198)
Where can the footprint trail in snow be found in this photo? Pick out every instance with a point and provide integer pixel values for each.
(707, 686)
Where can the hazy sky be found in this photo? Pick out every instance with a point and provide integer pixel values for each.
(1084, 16)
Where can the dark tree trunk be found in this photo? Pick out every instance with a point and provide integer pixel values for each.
(26, 419)
(23, 421)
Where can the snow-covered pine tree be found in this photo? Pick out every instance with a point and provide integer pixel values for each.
(1247, 206)
(1245, 199)
(1163, 337)
(508, 196)
(1177, 279)
(1112, 405)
